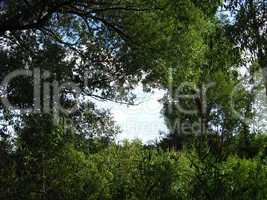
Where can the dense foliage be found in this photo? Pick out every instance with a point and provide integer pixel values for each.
(60, 170)
(58, 58)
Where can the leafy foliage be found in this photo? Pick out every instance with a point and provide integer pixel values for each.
(103, 49)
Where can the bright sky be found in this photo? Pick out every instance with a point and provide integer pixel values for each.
(143, 121)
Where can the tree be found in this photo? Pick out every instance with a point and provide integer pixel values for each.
(248, 29)
(218, 95)
(100, 47)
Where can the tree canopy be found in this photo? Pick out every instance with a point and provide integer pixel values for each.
(59, 58)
